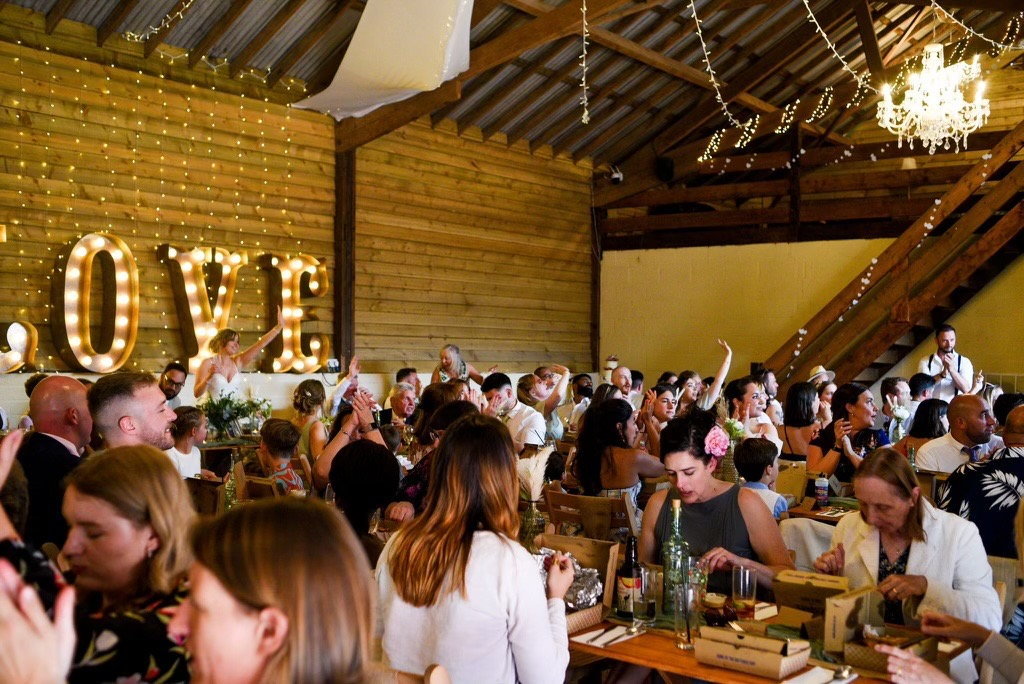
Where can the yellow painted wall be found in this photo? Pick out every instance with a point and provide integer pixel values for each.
(662, 309)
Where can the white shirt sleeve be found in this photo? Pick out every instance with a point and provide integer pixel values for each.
(971, 596)
(537, 630)
(925, 366)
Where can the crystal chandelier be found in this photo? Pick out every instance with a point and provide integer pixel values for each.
(934, 109)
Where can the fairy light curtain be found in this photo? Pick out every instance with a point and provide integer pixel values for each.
(400, 48)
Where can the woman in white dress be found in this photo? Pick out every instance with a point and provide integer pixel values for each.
(220, 374)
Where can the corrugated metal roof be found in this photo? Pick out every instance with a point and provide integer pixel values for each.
(631, 101)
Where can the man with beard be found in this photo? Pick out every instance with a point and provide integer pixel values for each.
(171, 382)
(130, 409)
(988, 493)
(952, 371)
(970, 428)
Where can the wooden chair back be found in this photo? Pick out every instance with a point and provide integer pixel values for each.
(435, 674)
(597, 515)
(205, 494)
(1006, 571)
(249, 487)
(792, 480)
(300, 464)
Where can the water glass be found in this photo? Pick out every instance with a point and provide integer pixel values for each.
(329, 494)
(744, 591)
(646, 608)
(687, 615)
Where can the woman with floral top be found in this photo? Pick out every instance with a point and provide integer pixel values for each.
(129, 514)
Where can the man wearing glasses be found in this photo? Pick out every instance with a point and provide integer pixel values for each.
(171, 382)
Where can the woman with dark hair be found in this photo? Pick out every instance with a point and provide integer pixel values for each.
(603, 393)
(826, 389)
(723, 523)
(919, 557)
(364, 477)
(412, 491)
(435, 395)
(930, 421)
(606, 462)
(456, 588)
(667, 378)
(800, 425)
(690, 387)
(842, 444)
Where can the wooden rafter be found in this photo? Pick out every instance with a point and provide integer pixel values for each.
(823, 210)
(351, 132)
(809, 185)
(325, 74)
(869, 41)
(114, 20)
(242, 59)
(202, 48)
(153, 42)
(482, 9)
(757, 234)
(310, 38)
(1008, 6)
(56, 13)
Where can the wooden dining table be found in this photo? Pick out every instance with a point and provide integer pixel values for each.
(657, 650)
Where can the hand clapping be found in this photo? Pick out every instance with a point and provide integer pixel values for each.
(831, 562)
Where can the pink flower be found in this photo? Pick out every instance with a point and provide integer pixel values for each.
(717, 442)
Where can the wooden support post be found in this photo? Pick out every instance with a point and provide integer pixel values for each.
(344, 255)
(595, 288)
(796, 151)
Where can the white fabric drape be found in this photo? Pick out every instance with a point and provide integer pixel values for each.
(400, 48)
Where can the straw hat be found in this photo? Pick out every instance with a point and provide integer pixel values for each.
(820, 370)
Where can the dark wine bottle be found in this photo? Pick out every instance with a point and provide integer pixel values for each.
(629, 582)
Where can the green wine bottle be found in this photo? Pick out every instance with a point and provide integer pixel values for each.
(674, 554)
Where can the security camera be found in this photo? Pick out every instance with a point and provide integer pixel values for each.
(615, 175)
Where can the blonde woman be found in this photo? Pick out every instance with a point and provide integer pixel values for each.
(451, 365)
(308, 402)
(129, 514)
(455, 587)
(219, 374)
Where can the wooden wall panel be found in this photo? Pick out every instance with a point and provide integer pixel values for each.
(90, 145)
(473, 243)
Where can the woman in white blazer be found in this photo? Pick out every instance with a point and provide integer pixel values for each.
(918, 556)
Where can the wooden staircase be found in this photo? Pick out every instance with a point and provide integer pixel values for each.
(924, 329)
(945, 257)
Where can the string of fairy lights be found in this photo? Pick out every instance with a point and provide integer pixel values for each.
(84, 127)
(826, 99)
(584, 87)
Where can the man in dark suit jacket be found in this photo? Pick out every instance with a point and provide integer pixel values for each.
(60, 414)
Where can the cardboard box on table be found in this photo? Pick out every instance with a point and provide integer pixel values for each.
(757, 655)
(591, 553)
(845, 616)
(807, 591)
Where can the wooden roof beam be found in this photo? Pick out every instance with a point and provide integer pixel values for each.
(869, 41)
(352, 132)
(824, 210)
(900, 179)
(990, 5)
(310, 38)
(154, 40)
(242, 59)
(56, 13)
(482, 9)
(867, 229)
(114, 20)
(202, 48)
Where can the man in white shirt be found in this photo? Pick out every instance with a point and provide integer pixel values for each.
(953, 372)
(582, 391)
(171, 381)
(970, 428)
(525, 424)
(130, 409)
(921, 387)
(636, 388)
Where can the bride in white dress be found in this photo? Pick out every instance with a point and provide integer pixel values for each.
(220, 374)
